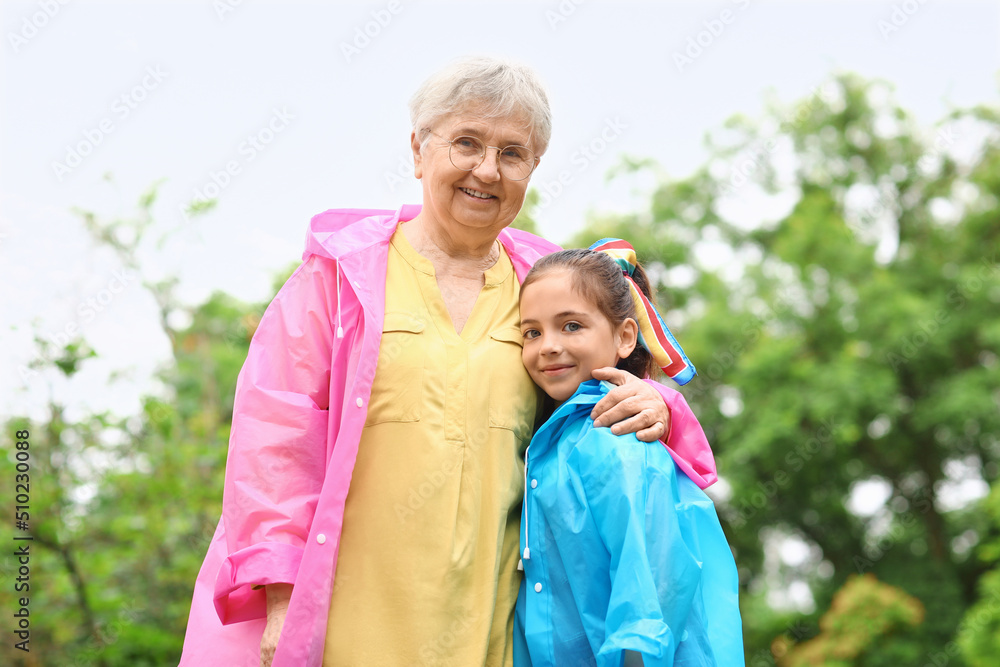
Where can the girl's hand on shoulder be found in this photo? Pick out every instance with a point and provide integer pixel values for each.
(631, 407)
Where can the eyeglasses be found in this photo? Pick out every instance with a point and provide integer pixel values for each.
(466, 153)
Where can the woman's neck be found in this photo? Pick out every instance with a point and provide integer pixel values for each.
(446, 249)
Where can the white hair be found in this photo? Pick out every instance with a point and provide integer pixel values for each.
(493, 87)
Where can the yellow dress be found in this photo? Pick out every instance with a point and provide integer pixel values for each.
(427, 571)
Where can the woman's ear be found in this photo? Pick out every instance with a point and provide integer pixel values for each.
(628, 337)
(415, 147)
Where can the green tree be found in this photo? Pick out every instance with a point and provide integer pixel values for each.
(864, 611)
(123, 507)
(848, 336)
(525, 217)
(979, 633)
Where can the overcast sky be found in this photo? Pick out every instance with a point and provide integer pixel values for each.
(306, 104)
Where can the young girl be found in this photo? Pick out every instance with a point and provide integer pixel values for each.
(621, 550)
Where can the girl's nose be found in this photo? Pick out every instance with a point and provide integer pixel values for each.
(551, 345)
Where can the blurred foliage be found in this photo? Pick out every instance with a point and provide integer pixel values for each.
(864, 611)
(525, 219)
(979, 633)
(123, 509)
(846, 339)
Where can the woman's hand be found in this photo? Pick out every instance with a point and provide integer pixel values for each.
(278, 596)
(631, 407)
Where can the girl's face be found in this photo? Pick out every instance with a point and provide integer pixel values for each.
(566, 336)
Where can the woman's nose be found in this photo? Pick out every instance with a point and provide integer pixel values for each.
(488, 170)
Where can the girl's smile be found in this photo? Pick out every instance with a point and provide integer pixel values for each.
(566, 337)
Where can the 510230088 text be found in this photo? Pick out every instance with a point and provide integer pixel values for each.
(22, 550)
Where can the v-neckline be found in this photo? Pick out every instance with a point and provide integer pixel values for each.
(482, 310)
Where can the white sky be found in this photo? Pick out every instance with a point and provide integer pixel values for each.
(221, 76)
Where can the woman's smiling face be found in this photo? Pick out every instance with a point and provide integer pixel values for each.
(481, 200)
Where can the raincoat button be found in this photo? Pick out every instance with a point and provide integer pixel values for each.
(538, 588)
(534, 483)
(321, 538)
(359, 402)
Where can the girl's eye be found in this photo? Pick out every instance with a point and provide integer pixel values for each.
(530, 333)
(572, 326)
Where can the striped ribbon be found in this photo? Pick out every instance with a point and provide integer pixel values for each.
(653, 332)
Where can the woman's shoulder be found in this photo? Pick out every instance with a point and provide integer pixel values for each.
(519, 240)
(339, 232)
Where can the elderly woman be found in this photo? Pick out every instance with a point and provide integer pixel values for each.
(373, 488)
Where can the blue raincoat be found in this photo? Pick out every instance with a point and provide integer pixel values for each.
(620, 551)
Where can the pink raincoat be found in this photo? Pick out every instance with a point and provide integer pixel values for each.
(300, 405)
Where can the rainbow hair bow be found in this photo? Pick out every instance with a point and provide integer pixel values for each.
(653, 333)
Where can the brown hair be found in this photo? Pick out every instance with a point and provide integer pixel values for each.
(600, 280)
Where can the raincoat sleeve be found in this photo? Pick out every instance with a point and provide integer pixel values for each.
(686, 440)
(277, 447)
(653, 574)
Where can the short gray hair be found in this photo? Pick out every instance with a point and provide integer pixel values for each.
(494, 87)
